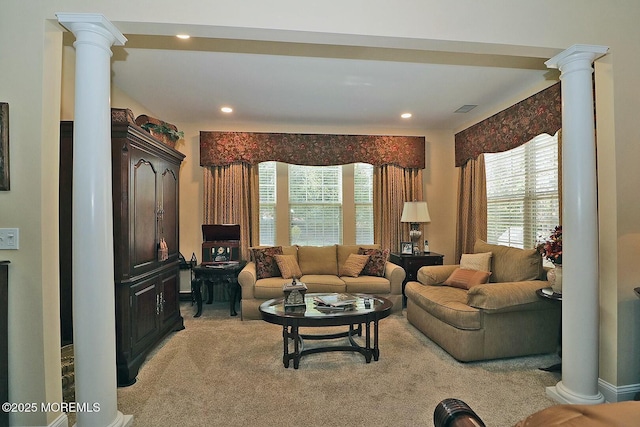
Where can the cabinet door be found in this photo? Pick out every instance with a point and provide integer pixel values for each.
(169, 219)
(169, 297)
(143, 212)
(145, 308)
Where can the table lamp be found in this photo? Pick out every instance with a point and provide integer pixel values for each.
(414, 213)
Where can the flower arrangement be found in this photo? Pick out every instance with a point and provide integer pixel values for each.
(552, 248)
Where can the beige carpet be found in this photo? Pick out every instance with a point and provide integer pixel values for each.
(220, 371)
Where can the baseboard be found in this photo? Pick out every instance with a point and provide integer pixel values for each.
(614, 393)
(185, 296)
(61, 421)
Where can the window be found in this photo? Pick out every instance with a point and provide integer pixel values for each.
(315, 205)
(317, 210)
(267, 183)
(522, 193)
(363, 199)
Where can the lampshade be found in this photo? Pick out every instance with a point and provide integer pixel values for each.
(415, 212)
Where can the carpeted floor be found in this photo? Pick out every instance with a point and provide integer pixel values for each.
(220, 371)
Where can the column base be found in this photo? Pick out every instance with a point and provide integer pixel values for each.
(562, 395)
(120, 421)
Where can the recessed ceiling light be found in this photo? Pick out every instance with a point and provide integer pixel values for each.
(465, 108)
(226, 110)
(406, 115)
(183, 36)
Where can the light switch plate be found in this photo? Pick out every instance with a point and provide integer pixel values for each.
(9, 238)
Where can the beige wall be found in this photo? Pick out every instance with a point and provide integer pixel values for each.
(31, 85)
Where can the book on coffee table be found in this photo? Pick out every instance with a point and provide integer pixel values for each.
(335, 301)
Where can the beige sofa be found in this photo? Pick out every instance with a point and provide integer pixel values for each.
(502, 318)
(320, 266)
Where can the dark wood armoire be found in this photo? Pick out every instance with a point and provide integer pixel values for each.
(145, 175)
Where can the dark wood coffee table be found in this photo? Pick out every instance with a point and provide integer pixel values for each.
(369, 309)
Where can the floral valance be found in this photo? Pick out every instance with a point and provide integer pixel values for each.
(510, 128)
(223, 148)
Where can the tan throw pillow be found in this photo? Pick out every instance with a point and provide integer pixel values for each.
(481, 261)
(465, 279)
(288, 266)
(353, 265)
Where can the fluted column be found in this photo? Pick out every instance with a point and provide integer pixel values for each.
(93, 275)
(580, 305)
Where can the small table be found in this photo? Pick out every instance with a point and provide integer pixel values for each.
(368, 309)
(222, 273)
(547, 293)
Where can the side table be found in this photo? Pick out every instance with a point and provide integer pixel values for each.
(210, 273)
(547, 293)
(412, 263)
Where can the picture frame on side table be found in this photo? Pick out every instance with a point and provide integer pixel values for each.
(4, 146)
(406, 248)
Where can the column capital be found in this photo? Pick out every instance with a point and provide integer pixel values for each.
(577, 52)
(76, 22)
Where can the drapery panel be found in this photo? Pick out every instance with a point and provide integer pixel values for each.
(392, 186)
(472, 206)
(510, 128)
(231, 197)
(223, 148)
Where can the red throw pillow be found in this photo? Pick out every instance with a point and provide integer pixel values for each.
(265, 259)
(377, 261)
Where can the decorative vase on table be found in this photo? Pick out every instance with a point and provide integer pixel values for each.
(554, 276)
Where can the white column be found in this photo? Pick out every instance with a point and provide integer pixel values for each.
(580, 305)
(93, 276)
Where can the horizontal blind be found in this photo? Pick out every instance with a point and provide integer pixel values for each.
(267, 190)
(363, 197)
(522, 193)
(315, 205)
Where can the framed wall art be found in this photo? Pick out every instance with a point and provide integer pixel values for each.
(4, 146)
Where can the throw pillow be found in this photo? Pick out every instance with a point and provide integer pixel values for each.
(377, 261)
(481, 261)
(465, 279)
(353, 265)
(288, 266)
(266, 265)
(512, 264)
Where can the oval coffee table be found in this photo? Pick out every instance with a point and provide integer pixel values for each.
(368, 309)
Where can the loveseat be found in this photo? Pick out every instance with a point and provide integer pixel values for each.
(473, 319)
(321, 269)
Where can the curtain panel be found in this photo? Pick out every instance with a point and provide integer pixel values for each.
(231, 197)
(223, 148)
(392, 186)
(510, 128)
(472, 206)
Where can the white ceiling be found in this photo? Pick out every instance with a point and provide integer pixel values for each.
(273, 83)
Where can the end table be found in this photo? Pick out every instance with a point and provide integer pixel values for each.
(412, 263)
(547, 293)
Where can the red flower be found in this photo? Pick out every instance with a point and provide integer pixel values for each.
(552, 248)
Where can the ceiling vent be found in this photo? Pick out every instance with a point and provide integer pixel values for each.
(465, 108)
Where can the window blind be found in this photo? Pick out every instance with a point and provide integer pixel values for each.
(315, 205)
(363, 197)
(522, 193)
(267, 190)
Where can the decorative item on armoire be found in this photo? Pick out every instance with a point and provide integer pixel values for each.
(163, 250)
